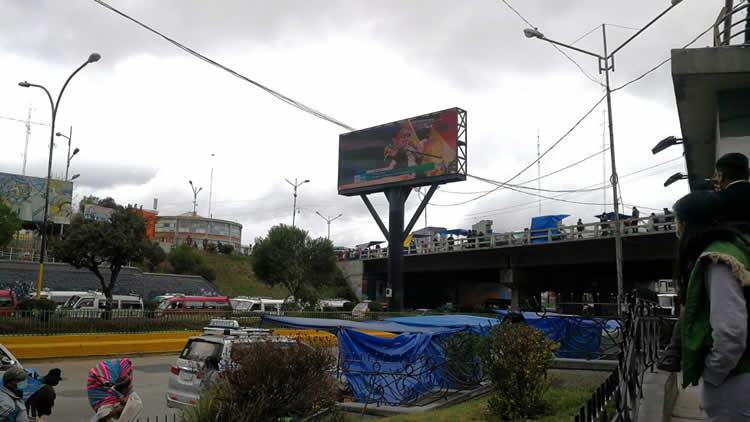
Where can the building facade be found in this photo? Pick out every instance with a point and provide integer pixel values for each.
(202, 231)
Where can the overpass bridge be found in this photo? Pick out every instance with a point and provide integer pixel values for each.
(573, 261)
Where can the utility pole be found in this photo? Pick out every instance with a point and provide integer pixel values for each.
(607, 64)
(328, 220)
(26, 144)
(211, 187)
(296, 185)
(195, 196)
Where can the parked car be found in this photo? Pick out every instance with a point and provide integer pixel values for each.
(6, 360)
(8, 303)
(57, 296)
(220, 339)
(243, 304)
(193, 304)
(93, 304)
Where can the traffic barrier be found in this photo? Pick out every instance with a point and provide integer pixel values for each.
(62, 346)
(42, 347)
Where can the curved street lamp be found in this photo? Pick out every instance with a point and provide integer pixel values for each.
(296, 185)
(54, 105)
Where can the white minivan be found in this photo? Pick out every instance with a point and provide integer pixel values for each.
(93, 304)
(244, 304)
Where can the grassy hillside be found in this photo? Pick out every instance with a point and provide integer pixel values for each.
(234, 277)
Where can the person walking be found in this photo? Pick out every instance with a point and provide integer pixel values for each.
(40, 404)
(12, 407)
(634, 222)
(714, 278)
(580, 228)
(734, 189)
(668, 219)
(651, 223)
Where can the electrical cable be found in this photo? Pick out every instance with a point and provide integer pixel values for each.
(534, 203)
(563, 137)
(24, 121)
(586, 34)
(541, 177)
(274, 93)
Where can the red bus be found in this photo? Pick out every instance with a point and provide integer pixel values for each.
(8, 303)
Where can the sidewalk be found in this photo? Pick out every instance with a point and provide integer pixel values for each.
(687, 407)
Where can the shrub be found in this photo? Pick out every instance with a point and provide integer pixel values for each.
(207, 272)
(211, 248)
(462, 367)
(516, 358)
(184, 259)
(275, 380)
(43, 308)
(349, 306)
(226, 249)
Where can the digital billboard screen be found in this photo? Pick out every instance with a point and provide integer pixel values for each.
(25, 194)
(418, 151)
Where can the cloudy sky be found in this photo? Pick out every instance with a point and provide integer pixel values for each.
(148, 116)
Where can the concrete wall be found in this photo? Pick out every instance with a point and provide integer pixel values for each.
(353, 272)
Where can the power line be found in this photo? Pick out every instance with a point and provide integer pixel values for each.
(663, 62)
(623, 26)
(274, 93)
(521, 206)
(596, 154)
(563, 137)
(24, 121)
(586, 34)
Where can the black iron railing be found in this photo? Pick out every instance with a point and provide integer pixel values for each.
(732, 27)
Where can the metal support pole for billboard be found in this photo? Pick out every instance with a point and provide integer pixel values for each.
(419, 210)
(375, 215)
(396, 199)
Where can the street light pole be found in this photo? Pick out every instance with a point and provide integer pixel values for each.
(94, 57)
(70, 156)
(211, 187)
(295, 185)
(196, 191)
(607, 64)
(328, 220)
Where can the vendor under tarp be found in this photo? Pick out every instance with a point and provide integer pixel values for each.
(335, 325)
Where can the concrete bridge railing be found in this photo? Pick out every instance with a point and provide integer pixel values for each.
(628, 227)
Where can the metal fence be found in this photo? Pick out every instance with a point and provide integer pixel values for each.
(736, 25)
(135, 321)
(629, 227)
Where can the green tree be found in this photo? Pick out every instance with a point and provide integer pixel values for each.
(154, 255)
(9, 223)
(97, 244)
(288, 256)
(185, 259)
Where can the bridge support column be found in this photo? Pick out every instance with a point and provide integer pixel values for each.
(511, 278)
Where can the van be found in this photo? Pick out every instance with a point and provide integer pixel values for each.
(8, 303)
(219, 339)
(58, 296)
(257, 304)
(193, 304)
(93, 304)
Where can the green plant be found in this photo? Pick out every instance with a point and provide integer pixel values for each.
(153, 256)
(516, 358)
(462, 367)
(9, 223)
(349, 306)
(275, 380)
(207, 272)
(184, 259)
(203, 411)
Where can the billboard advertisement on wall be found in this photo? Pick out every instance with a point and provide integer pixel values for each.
(97, 213)
(418, 151)
(25, 194)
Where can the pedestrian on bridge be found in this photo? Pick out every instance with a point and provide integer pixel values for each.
(634, 222)
(580, 228)
(714, 279)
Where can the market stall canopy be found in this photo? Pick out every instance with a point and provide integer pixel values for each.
(611, 216)
(458, 232)
(334, 325)
(475, 323)
(540, 225)
(369, 244)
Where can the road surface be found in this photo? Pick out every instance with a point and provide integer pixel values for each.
(150, 377)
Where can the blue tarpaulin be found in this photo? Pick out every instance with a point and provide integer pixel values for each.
(457, 232)
(375, 366)
(478, 325)
(540, 225)
(334, 325)
(33, 384)
(578, 337)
